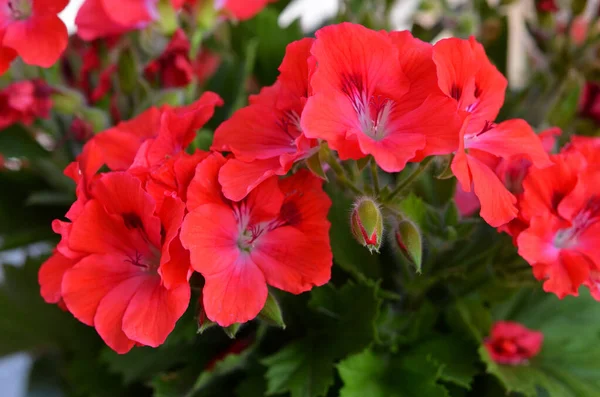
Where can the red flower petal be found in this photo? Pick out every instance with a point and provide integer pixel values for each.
(235, 295)
(39, 40)
(109, 315)
(238, 178)
(51, 275)
(87, 283)
(153, 311)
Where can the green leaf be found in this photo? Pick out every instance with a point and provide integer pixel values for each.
(414, 208)
(302, 368)
(344, 324)
(454, 355)
(271, 312)
(373, 375)
(569, 362)
(347, 253)
(470, 317)
(315, 164)
(229, 364)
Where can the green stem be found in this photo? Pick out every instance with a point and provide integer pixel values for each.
(375, 177)
(341, 175)
(409, 179)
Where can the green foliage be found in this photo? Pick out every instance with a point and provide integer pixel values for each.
(568, 364)
(343, 323)
(370, 374)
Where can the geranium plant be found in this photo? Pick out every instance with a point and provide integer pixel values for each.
(206, 202)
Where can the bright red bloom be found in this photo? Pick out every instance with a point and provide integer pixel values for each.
(266, 137)
(128, 276)
(173, 68)
(364, 103)
(23, 102)
(475, 169)
(278, 235)
(511, 343)
(563, 208)
(466, 74)
(32, 30)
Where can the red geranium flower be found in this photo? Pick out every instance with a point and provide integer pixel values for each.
(173, 68)
(364, 104)
(278, 235)
(475, 169)
(465, 74)
(117, 147)
(562, 204)
(266, 137)
(32, 30)
(24, 101)
(511, 343)
(129, 278)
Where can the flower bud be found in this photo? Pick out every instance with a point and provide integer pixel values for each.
(367, 223)
(409, 241)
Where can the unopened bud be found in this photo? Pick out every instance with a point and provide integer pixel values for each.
(367, 223)
(409, 241)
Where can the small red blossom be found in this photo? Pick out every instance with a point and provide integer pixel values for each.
(266, 137)
(511, 343)
(589, 103)
(364, 102)
(32, 30)
(24, 101)
(546, 6)
(81, 130)
(278, 235)
(173, 68)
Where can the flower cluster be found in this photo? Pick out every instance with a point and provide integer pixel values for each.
(24, 101)
(137, 232)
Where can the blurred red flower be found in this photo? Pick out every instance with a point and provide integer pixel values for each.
(511, 343)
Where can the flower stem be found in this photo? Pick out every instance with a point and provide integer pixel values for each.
(341, 175)
(409, 179)
(375, 177)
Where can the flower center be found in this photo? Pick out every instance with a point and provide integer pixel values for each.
(19, 9)
(588, 215)
(373, 111)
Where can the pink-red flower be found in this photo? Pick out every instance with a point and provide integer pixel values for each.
(278, 235)
(24, 102)
(365, 101)
(266, 137)
(32, 30)
(511, 343)
(173, 68)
